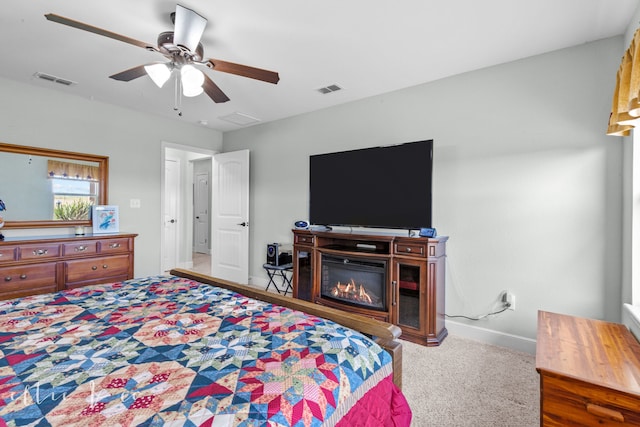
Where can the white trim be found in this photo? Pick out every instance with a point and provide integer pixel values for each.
(258, 282)
(489, 336)
(631, 318)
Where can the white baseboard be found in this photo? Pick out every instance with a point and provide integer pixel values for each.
(258, 282)
(490, 336)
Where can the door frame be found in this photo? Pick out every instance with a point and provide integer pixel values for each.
(180, 236)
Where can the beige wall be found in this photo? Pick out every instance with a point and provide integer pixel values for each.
(526, 183)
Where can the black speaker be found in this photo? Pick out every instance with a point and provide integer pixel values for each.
(272, 253)
(278, 254)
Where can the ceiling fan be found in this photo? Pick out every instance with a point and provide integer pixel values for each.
(184, 52)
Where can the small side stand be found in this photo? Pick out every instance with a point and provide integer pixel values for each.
(276, 272)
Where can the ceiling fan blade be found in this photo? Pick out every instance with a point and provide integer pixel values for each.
(90, 28)
(214, 92)
(130, 74)
(189, 27)
(243, 70)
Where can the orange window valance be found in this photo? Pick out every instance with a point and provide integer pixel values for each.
(625, 109)
(58, 169)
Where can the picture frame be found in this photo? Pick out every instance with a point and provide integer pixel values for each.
(105, 219)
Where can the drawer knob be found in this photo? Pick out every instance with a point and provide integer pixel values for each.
(602, 412)
(114, 245)
(94, 267)
(7, 279)
(408, 249)
(81, 248)
(40, 252)
(105, 266)
(23, 276)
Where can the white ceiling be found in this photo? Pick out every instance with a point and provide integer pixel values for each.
(367, 47)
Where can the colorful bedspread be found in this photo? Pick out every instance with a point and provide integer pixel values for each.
(168, 351)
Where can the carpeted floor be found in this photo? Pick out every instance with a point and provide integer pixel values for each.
(467, 383)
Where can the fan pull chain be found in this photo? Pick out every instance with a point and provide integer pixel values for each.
(177, 102)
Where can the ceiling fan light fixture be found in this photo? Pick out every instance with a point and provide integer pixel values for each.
(192, 91)
(192, 80)
(159, 73)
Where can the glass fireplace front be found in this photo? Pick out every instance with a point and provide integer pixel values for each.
(354, 281)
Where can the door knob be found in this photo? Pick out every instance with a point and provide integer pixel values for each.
(172, 221)
(244, 224)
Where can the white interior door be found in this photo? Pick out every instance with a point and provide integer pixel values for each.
(170, 214)
(201, 213)
(230, 216)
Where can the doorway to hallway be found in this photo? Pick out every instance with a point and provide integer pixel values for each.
(186, 223)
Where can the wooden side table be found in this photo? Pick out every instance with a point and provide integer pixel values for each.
(589, 372)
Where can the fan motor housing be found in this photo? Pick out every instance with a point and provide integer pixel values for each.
(166, 46)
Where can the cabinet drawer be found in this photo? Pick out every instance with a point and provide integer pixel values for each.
(114, 246)
(569, 402)
(7, 254)
(96, 268)
(418, 249)
(27, 280)
(44, 251)
(304, 240)
(80, 248)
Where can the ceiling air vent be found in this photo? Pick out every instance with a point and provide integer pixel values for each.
(329, 89)
(240, 119)
(54, 79)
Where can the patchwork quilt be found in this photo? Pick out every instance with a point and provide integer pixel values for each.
(169, 351)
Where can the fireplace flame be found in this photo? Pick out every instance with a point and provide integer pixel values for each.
(351, 291)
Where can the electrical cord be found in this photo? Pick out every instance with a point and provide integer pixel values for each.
(506, 307)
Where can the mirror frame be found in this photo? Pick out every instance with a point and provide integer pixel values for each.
(103, 199)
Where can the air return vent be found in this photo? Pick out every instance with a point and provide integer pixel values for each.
(329, 89)
(240, 119)
(54, 79)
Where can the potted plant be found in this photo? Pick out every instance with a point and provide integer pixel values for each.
(74, 210)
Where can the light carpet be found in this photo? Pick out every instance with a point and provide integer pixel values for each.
(468, 383)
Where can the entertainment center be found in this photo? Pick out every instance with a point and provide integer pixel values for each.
(395, 279)
(388, 276)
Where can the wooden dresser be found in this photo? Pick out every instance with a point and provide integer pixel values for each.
(36, 265)
(589, 372)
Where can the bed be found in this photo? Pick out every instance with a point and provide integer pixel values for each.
(189, 350)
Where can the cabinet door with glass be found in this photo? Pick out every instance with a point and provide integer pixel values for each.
(303, 273)
(410, 297)
(303, 264)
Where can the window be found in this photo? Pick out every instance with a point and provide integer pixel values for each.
(74, 188)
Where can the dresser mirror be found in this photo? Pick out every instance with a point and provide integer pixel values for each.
(50, 188)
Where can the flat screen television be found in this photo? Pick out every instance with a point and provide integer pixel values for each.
(383, 187)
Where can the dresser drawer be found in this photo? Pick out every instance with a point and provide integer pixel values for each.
(43, 251)
(27, 280)
(114, 246)
(7, 254)
(570, 402)
(304, 240)
(85, 270)
(80, 248)
(417, 248)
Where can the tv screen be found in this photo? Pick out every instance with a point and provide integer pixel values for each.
(388, 187)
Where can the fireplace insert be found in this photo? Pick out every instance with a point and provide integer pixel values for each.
(354, 281)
